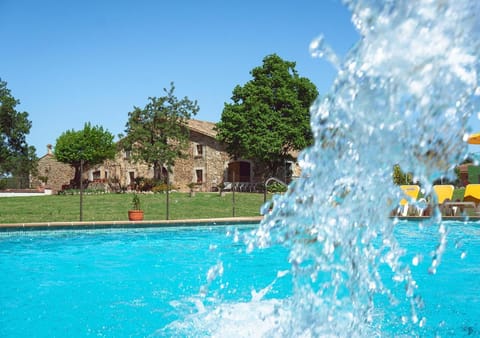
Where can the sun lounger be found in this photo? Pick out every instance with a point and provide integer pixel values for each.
(411, 192)
(444, 192)
(471, 200)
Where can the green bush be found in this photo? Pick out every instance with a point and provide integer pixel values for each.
(145, 184)
(162, 187)
(276, 187)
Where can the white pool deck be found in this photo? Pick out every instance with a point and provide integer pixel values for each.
(14, 193)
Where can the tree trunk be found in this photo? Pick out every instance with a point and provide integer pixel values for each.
(76, 177)
(157, 171)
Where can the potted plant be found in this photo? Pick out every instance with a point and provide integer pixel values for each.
(136, 214)
(191, 186)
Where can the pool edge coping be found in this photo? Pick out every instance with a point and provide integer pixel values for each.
(462, 218)
(128, 224)
(173, 223)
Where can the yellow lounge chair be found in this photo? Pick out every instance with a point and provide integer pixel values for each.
(444, 192)
(472, 193)
(412, 192)
(471, 200)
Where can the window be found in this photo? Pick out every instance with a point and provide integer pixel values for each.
(199, 174)
(96, 175)
(199, 150)
(127, 154)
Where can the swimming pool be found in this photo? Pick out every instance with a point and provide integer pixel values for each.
(200, 281)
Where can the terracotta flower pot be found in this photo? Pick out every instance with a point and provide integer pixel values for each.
(135, 215)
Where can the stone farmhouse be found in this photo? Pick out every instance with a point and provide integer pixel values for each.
(207, 165)
(51, 173)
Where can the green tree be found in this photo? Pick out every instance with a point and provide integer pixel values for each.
(17, 158)
(158, 133)
(269, 116)
(401, 178)
(92, 145)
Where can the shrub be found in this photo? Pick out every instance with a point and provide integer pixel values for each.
(145, 184)
(276, 187)
(162, 187)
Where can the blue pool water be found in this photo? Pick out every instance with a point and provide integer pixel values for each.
(332, 263)
(201, 281)
(122, 282)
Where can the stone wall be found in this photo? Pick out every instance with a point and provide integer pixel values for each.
(205, 156)
(205, 166)
(122, 169)
(57, 173)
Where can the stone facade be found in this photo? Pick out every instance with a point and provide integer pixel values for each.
(207, 165)
(51, 173)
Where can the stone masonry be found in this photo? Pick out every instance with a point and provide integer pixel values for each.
(205, 165)
(57, 173)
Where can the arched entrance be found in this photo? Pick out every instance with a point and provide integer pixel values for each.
(239, 171)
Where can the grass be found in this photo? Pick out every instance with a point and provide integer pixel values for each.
(458, 194)
(114, 207)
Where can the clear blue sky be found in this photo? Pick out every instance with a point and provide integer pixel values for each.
(71, 62)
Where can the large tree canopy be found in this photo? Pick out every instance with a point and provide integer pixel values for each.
(269, 117)
(92, 145)
(158, 133)
(17, 158)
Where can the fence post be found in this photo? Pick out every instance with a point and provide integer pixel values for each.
(168, 195)
(81, 190)
(233, 196)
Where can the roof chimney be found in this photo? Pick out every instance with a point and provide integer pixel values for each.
(49, 149)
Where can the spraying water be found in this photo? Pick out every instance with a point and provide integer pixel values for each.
(403, 95)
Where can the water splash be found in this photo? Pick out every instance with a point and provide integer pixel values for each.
(403, 96)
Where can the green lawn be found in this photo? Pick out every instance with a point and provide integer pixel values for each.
(458, 194)
(114, 207)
